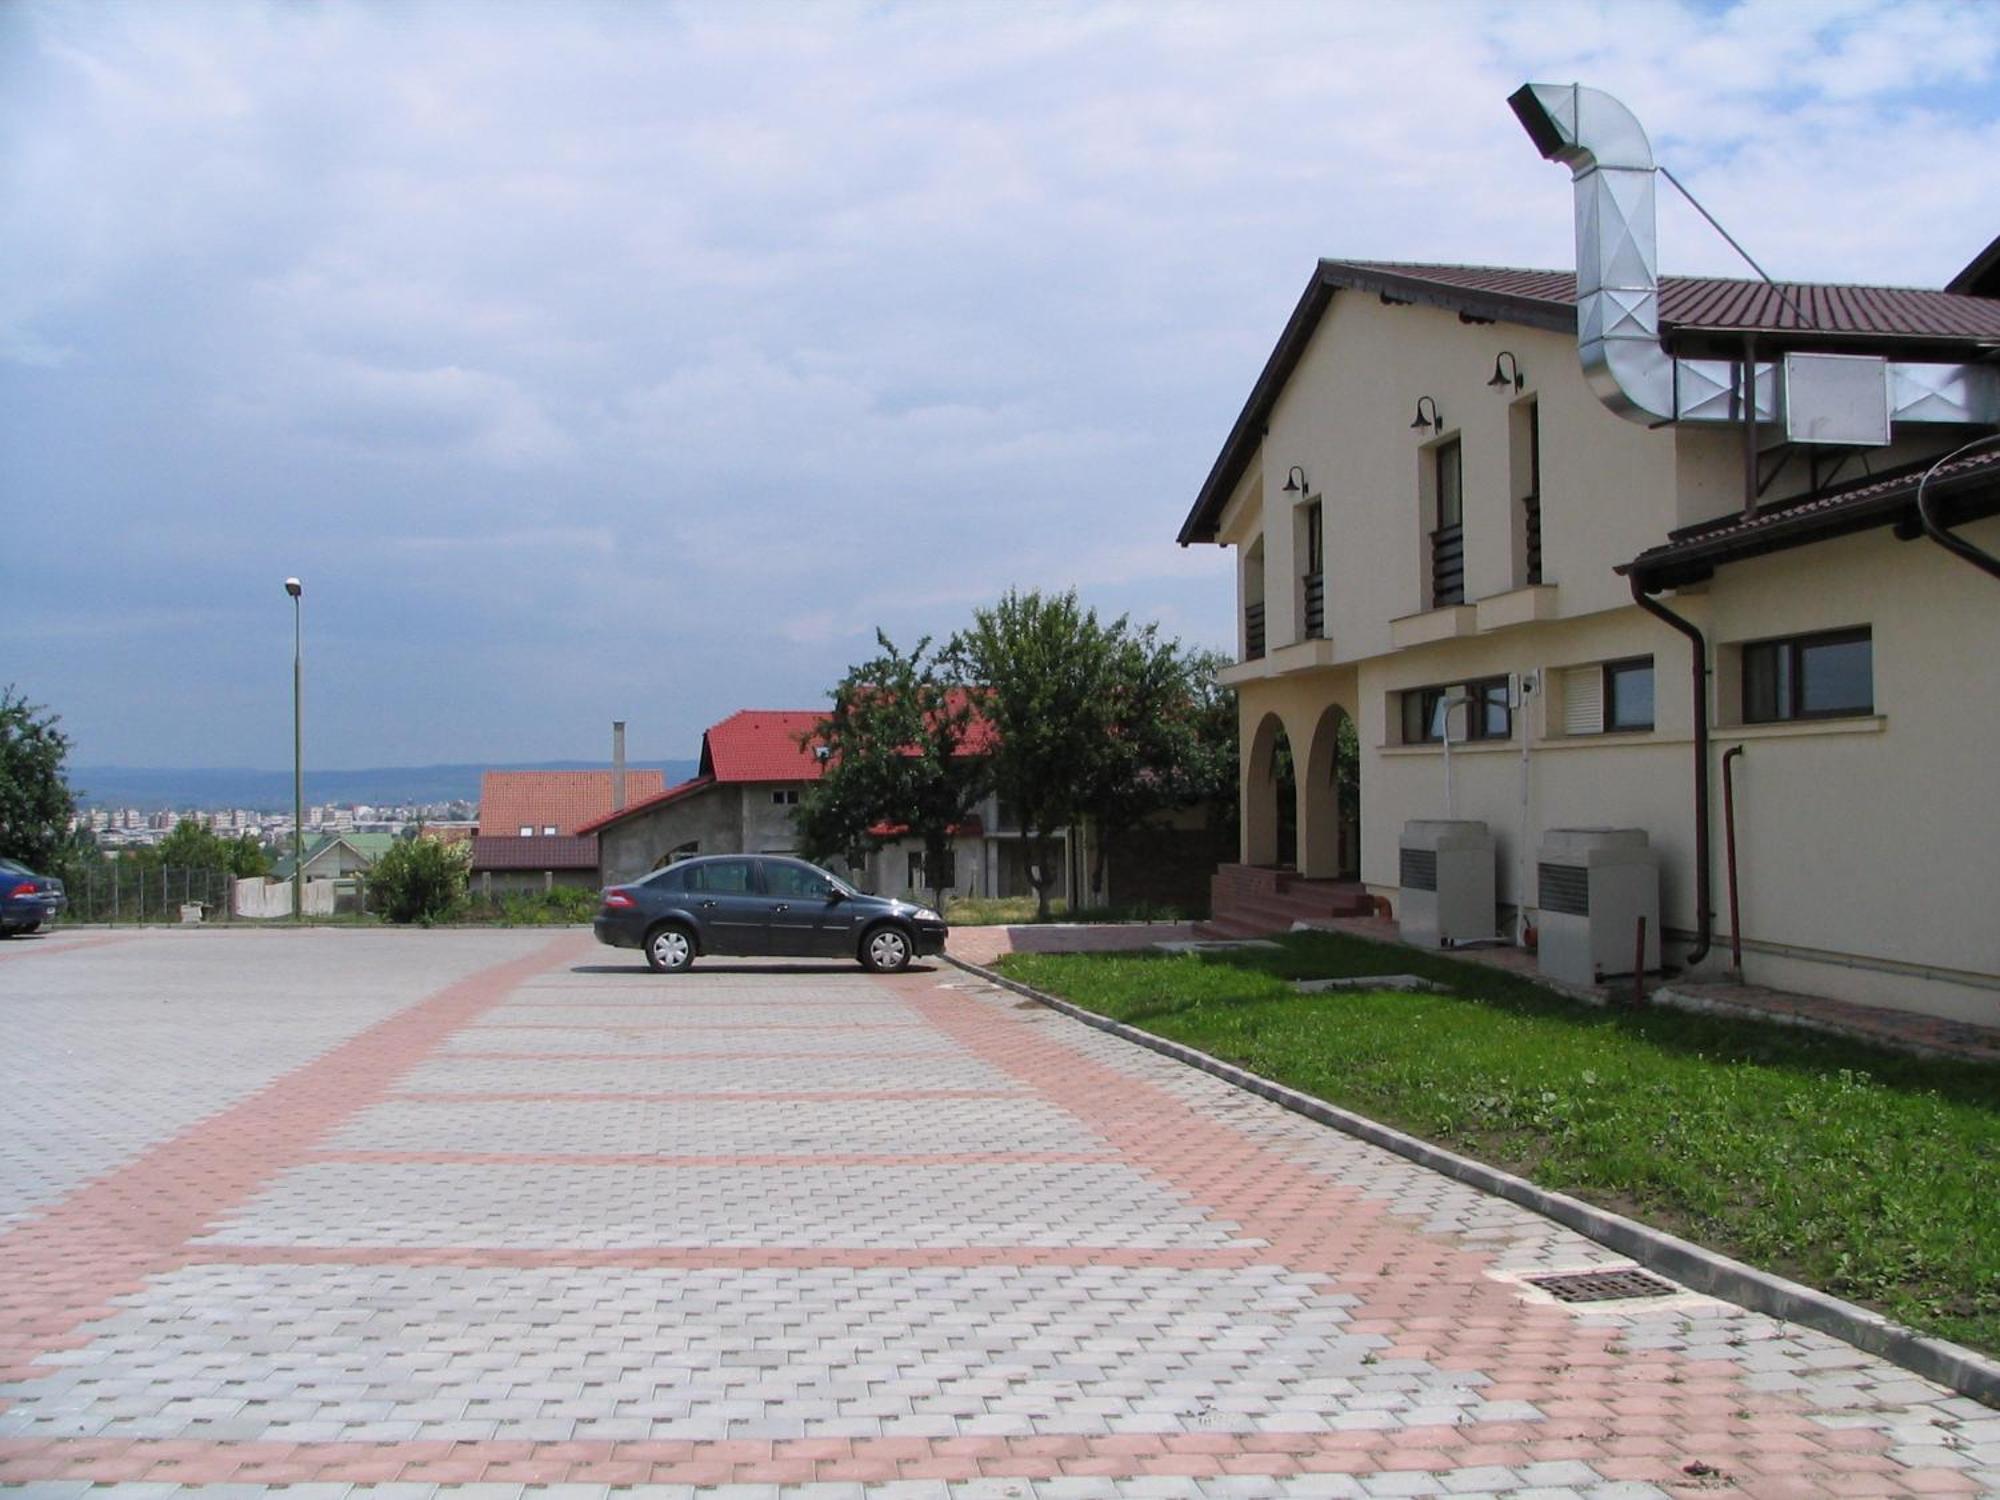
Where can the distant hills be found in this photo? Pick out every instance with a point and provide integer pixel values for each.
(153, 788)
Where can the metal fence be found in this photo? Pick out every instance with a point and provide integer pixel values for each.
(119, 891)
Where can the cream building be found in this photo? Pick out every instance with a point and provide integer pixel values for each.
(1444, 533)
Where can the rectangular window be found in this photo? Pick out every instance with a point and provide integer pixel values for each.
(549, 829)
(1628, 694)
(1448, 540)
(1423, 716)
(527, 830)
(1450, 484)
(1315, 575)
(787, 797)
(1488, 716)
(1531, 500)
(1824, 676)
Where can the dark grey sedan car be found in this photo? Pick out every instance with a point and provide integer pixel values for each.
(762, 905)
(26, 899)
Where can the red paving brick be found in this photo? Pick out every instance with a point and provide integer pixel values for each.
(1252, 1203)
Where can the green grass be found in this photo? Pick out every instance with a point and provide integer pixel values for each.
(1019, 911)
(1870, 1174)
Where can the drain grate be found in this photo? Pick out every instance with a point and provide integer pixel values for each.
(1603, 1286)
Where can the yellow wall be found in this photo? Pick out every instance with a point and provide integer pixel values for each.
(1869, 848)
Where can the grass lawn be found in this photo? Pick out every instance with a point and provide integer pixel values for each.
(1019, 911)
(1866, 1173)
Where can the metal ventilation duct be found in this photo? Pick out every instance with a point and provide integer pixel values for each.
(1822, 398)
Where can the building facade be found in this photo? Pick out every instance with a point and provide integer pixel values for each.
(1443, 537)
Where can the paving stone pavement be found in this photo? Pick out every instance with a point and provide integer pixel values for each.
(376, 1216)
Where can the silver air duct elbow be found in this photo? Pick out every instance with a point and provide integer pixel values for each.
(1618, 308)
(1617, 242)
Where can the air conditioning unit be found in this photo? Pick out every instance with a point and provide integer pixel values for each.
(1447, 882)
(1593, 885)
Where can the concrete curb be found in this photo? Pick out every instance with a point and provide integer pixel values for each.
(1702, 1270)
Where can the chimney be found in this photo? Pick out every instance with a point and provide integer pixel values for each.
(617, 765)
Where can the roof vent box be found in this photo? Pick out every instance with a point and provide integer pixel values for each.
(1446, 882)
(1593, 886)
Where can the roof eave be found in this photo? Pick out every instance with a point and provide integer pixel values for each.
(1676, 565)
(1329, 276)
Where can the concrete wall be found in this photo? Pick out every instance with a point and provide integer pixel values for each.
(769, 827)
(490, 883)
(712, 818)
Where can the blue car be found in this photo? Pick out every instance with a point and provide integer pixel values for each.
(762, 905)
(26, 899)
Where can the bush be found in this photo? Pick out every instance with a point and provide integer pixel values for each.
(419, 880)
(563, 906)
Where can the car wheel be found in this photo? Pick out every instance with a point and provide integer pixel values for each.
(886, 950)
(669, 949)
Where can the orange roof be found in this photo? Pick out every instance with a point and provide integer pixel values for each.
(565, 800)
(761, 744)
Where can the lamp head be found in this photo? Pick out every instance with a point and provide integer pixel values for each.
(294, 587)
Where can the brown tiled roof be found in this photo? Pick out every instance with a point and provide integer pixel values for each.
(1963, 489)
(499, 852)
(512, 800)
(1720, 304)
(1697, 313)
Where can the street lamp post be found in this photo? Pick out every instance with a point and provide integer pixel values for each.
(296, 589)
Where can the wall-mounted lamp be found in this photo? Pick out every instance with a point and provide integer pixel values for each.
(1433, 421)
(1295, 482)
(1504, 363)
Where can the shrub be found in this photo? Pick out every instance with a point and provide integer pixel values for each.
(419, 880)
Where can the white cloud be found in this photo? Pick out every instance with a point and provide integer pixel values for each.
(764, 325)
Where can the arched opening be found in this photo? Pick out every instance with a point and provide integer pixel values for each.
(1270, 797)
(1332, 796)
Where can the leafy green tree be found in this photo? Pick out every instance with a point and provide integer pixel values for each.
(1170, 742)
(247, 857)
(1046, 674)
(419, 880)
(35, 803)
(898, 744)
(191, 846)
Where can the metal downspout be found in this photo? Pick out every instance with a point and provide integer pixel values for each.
(1950, 541)
(1703, 923)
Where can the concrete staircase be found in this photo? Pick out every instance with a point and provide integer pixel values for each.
(1256, 900)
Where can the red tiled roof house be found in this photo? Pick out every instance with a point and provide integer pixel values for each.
(529, 823)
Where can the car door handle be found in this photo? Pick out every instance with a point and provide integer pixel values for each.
(706, 905)
(782, 906)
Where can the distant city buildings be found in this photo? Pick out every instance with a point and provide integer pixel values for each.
(133, 827)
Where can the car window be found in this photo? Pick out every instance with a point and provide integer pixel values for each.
(668, 879)
(728, 877)
(14, 869)
(803, 882)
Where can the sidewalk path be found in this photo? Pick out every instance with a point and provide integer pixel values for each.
(382, 1213)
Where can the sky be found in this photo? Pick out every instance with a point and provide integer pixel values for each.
(641, 360)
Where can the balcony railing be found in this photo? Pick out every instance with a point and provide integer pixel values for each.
(1531, 507)
(1315, 606)
(1447, 566)
(1253, 632)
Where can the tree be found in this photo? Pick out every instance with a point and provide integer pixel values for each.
(419, 880)
(35, 803)
(897, 748)
(191, 846)
(1046, 675)
(1170, 742)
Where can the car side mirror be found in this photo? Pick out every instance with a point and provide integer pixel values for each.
(834, 895)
